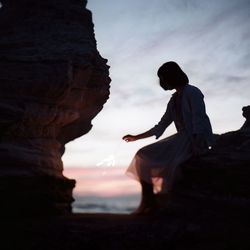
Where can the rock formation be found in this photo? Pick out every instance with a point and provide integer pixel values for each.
(219, 181)
(246, 114)
(53, 82)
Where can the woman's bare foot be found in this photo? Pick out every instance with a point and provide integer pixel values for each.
(147, 207)
(148, 201)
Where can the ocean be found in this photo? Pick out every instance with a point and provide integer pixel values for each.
(109, 204)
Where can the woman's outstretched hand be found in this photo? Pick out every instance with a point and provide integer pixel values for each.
(129, 138)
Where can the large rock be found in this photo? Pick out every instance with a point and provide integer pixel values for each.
(217, 182)
(53, 82)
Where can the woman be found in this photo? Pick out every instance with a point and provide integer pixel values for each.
(161, 160)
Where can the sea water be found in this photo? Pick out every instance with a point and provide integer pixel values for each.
(99, 204)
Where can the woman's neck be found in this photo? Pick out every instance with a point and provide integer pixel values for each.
(180, 88)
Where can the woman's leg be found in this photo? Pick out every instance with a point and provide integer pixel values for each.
(147, 192)
(148, 201)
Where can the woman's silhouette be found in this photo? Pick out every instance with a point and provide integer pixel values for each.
(186, 109)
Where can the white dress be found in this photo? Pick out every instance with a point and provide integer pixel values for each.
(158, 162)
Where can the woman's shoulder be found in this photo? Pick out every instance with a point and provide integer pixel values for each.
(192, 90)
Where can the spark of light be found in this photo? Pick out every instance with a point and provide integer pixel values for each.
(107, 162)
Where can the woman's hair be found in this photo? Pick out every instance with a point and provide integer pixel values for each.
(172, 72)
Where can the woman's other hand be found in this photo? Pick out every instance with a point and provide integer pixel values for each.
(129, 138)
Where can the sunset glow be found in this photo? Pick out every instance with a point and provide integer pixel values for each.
(102, 181)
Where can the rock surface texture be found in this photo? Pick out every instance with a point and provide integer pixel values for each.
(53, 82)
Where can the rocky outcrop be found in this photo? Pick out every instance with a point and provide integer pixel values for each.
(246, 114)
(217, 182)
(53, 82)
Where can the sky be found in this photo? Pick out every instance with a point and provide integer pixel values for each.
(104, 181)
(210, 40)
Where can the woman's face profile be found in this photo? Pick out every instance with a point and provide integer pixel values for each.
(166, 85)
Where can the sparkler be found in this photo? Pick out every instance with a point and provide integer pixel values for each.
(110, 160)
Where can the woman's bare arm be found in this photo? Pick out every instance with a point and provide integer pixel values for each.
(158, 129)
(129, 138)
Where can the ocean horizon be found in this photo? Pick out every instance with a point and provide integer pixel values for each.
(103, 190)
(122, 204)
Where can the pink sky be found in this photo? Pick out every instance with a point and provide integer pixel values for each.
(102, 181)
